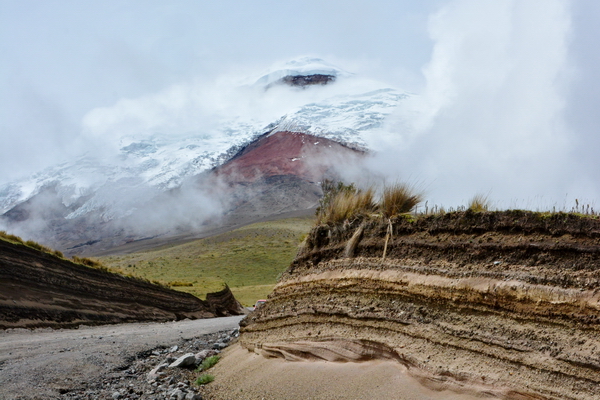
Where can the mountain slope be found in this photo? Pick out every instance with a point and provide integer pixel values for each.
(162, 183)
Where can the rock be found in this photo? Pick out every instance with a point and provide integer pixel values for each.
(185, 360)
(204, 354)
(219, 345)
(116, 395)
(173, 349)
(177, 394)
(193, 396)
(156, 372)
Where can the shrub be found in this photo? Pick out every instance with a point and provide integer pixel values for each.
(479, 203)
(204, 379)
(398, 199)
(208, 363)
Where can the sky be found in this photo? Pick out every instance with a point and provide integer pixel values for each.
(506, 91)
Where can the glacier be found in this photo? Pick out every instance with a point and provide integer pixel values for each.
(156, 161)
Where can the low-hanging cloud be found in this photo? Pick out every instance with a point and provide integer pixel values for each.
(491, 118)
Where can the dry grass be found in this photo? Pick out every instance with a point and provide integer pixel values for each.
(346, 205)
(398, 199)
(479, 203)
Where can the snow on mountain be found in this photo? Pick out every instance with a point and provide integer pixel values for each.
(159, 161)
(303, 66)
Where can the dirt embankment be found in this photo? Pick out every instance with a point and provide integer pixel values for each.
(41, 290)
(505, 304)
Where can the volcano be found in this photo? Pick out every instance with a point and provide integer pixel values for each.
(313, 120)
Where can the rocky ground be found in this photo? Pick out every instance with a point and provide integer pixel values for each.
(127, 361)
(157, 373)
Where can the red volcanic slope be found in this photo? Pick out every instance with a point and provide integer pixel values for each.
(286, 153)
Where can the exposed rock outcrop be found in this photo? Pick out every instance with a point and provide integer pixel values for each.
(39, 289)
(507, 302)
(306, 80)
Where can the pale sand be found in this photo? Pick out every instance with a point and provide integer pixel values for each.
(244, 375)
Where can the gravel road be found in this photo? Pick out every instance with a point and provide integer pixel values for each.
(41, 363)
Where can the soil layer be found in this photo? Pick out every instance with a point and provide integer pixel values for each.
(38, 289)
(506, 304)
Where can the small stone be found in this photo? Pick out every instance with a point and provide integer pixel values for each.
(173, 349)
(219, 345)
(193, 396)
(156, 372)
(116, 395)
(177, 394)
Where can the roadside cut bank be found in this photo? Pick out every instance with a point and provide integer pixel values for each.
(40, 289)
(502, 304)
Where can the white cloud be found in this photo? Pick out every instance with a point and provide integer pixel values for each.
(491, 118)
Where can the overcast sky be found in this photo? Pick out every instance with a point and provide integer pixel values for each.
(508, 90)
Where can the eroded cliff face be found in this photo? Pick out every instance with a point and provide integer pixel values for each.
(38, 289)
(502, 303)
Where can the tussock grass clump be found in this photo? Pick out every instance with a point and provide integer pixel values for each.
(89, 262)
(11, 238)
(398, 199)
(346, 205)
(479, 203)
(204, 379)
(341, 202)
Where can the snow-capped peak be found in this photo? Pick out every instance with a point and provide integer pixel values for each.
(162, 158)
(304, 66)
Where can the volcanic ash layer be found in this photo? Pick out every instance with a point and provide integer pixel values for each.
(506, 304)
(38, 289)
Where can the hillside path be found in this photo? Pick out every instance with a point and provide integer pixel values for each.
(37, 362)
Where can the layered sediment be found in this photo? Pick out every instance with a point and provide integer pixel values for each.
(505, 304)
(38, 289)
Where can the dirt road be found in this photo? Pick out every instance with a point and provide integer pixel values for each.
(40, 363)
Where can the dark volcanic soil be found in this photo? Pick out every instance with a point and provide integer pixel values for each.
(38, 289)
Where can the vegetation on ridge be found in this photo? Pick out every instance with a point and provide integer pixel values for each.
(80, 261)
(248, 259)
(342, 202)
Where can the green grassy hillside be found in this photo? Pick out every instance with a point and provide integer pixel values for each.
(248, 259)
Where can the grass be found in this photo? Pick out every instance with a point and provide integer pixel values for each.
(204, 379)
(398, 199)
(343, 202)
(208, 363)
(479, 203)
(248, 259)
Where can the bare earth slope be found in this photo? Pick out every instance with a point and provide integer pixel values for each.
(39, 289)
(503, 304)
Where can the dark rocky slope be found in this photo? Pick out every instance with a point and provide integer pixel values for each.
(38, 289)
(505, 304)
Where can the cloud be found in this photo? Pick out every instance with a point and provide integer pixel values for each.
(492, 116)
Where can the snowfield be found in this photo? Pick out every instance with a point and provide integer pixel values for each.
(153, 160)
